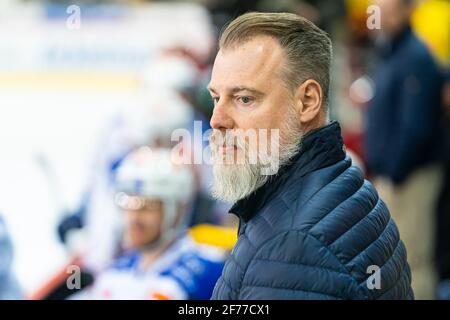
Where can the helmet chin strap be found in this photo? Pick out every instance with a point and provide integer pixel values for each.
(170, 229)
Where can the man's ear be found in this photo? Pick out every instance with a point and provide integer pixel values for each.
(308, 101)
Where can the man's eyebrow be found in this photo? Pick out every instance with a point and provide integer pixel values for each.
(238, 89)
(244, 88)
(211, 89)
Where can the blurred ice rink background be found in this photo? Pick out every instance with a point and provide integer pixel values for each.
(58, 88)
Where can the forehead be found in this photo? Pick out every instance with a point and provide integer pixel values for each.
(256, 62)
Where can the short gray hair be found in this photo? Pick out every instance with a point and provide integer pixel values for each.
(308, 49)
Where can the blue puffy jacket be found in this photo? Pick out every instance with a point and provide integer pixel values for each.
(318, 230)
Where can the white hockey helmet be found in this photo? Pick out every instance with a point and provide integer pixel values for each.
(157, 115)
(149, 174)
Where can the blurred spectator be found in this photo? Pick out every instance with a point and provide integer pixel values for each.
(9, 288)
(446, 97)
(162, 261)
(442, 252)
(404, 137)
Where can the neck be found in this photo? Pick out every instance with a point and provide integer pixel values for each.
(317, 123)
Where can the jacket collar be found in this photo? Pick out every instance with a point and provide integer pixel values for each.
(319, 148)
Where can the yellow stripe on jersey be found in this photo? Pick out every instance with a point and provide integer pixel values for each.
(223, 237)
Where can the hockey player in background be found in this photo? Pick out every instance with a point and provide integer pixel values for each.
(162, 259)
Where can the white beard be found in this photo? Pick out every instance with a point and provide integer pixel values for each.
(233, 182)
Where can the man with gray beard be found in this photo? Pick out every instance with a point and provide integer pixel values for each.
(311, 226)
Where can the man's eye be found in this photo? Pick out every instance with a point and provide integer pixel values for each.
(245, 100)
(215, 100)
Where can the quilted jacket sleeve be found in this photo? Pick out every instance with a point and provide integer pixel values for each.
(282, 272)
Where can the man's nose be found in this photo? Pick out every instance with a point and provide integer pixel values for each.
(221, 119)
